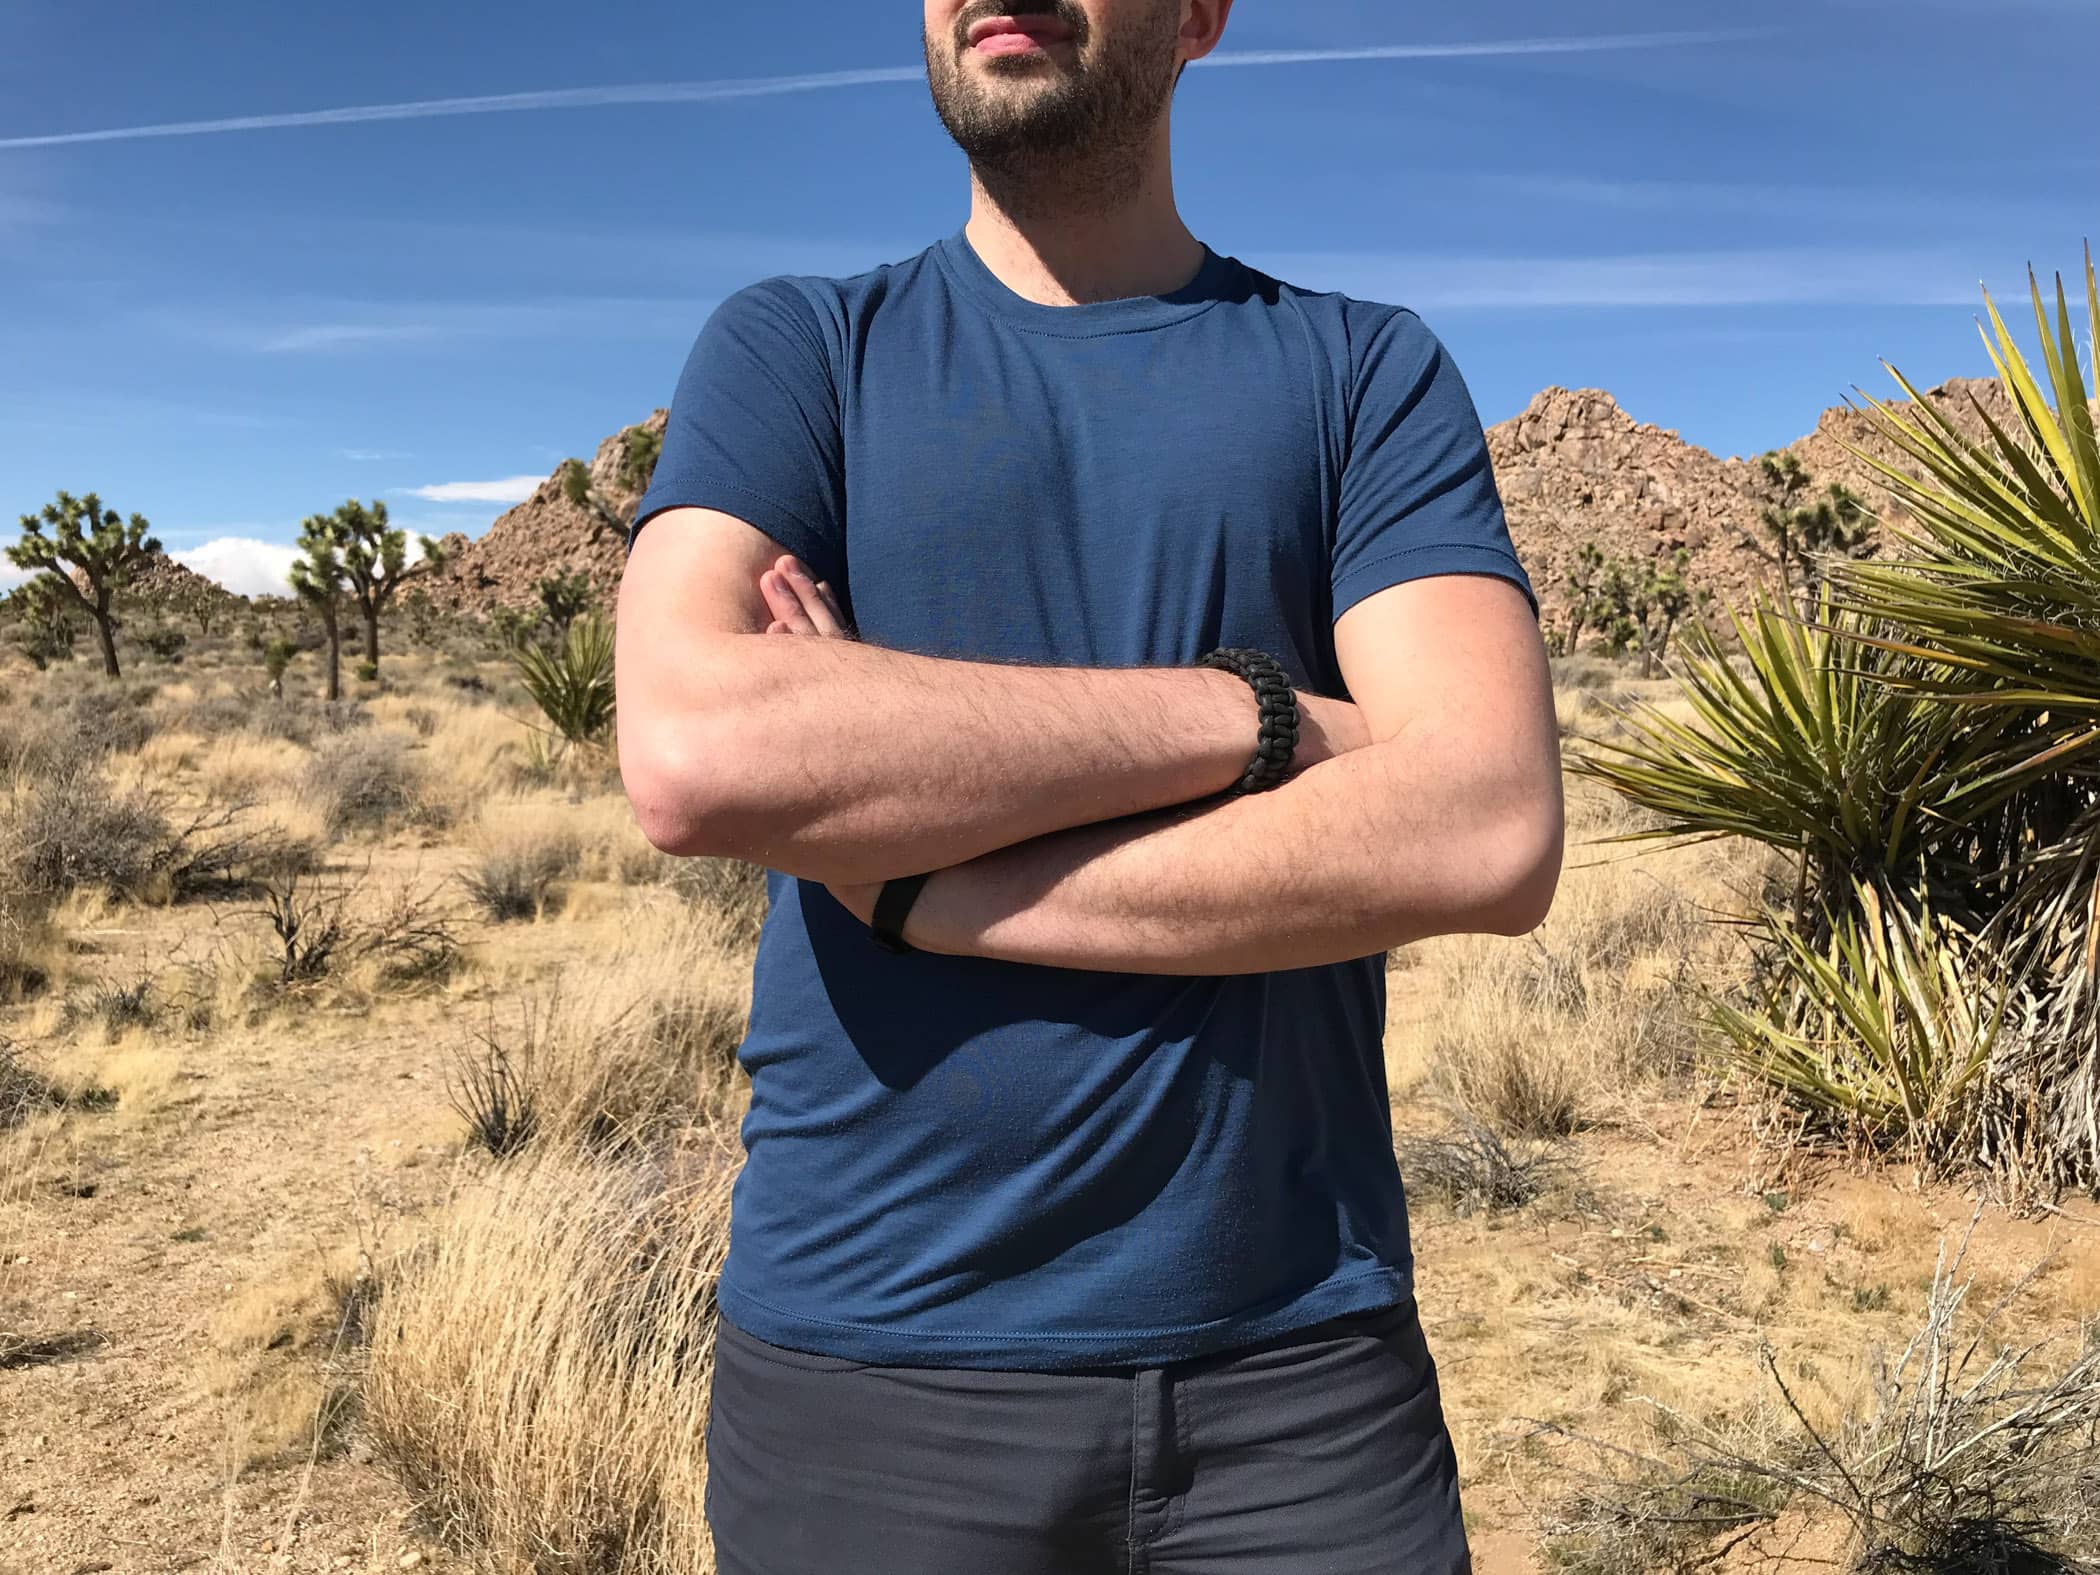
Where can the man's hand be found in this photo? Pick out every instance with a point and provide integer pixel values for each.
(799, 604)
(805, 606)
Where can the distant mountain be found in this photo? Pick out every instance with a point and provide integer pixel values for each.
(552, 533)
(1576, 468)
(1573, 468)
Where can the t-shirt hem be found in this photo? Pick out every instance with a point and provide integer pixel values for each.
(885, 1345)
(1420, 563)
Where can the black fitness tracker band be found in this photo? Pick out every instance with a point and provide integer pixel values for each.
(891, 905)
(1277, 742)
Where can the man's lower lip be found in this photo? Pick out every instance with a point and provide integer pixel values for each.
(1010, 44)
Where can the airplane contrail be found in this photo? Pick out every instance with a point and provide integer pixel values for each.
(820, 81)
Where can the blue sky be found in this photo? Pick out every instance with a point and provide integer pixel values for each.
(229, 331)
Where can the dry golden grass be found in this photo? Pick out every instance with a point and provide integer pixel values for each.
(642, 1037)
(233, 768)
(539, 1376)
(517, 853)
(527, 1380)
(282, 1354)
(1539, 1036)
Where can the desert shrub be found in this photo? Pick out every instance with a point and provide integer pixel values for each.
(116, 1005)
(572, 683)
(1508, 1073)
(302, 722)
(326, 925)
(645, 1043)
(731, 889)
(1924, 745)
(1889, 1031)
(539, 1377)
(111, 718)
(23, 929)
(72, 829)
(1969, 1454)
(513, 869)
(368, 780)
(22, 1092)
(165, 642)
(495, 1095)
(1469, 1168)
(311, 722)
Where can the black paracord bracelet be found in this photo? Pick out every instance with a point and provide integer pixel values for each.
(1277, 741)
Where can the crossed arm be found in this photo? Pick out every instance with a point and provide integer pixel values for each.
(1050, 799)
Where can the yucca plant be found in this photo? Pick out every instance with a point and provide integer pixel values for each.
(2002, 579)
(572, 683)
(1886, 1029)
(1803, 743)
(2001, 583)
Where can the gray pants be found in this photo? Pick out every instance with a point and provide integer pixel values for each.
(1324, 1452)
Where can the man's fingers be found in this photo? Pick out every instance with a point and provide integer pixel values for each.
(838, 614)
(816, 603)
(785, 603)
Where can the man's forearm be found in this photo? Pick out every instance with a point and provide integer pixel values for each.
(839, 761)
(1354, 857)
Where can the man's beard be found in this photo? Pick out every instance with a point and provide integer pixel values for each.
(1031, 128)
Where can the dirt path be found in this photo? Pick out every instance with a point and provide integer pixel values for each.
(182, 1244)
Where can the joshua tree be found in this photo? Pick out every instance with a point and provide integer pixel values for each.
(1807, 536)
(320, 580)
(1582, 591)
(46, 627)
(566, 597)
(277, 656)
(375, 562)
(89, 544)
(1660, 599)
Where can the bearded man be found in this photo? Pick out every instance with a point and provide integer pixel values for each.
(1112, 653)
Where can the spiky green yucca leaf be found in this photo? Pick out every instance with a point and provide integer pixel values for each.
(2004, 586)
(573, 682)
(1886, 1030)
(1810, 749)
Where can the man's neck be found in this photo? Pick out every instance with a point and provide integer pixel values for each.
(1091, 240)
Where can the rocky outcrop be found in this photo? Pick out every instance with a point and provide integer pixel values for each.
(1826, 452)
(1575, 468)
(163, 581)
(550, 533)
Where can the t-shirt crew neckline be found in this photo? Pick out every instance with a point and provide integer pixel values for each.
(1132, 314)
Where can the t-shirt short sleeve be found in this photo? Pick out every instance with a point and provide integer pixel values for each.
(754, 428)
(1418, 494)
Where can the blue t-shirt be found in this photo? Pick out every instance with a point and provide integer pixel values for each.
(955, 1161)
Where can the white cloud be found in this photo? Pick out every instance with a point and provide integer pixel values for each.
(243, 564)
(512, 489)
